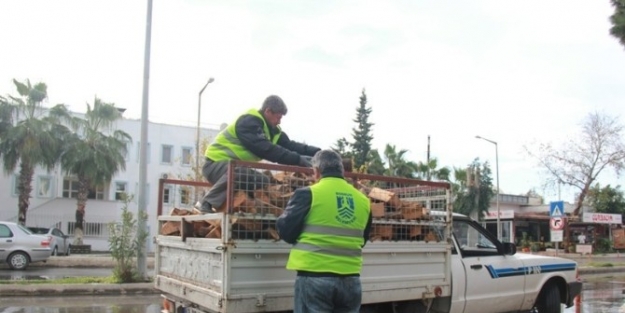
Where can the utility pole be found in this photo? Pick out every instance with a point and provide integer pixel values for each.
(428, 160)
(143, 154)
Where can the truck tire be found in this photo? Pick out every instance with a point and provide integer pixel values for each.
(548, 299)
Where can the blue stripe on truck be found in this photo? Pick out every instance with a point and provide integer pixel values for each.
(529, 270)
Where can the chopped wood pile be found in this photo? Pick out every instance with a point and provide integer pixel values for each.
(254, 212)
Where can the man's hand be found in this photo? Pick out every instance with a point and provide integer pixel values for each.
(304, 161)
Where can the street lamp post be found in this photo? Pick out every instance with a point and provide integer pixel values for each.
(197, 139)
(497, 171)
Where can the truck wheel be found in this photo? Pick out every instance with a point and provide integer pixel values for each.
(548, 299)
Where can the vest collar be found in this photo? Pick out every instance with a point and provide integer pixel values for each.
(332, 174)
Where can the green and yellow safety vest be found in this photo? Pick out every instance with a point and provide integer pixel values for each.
(332, 238)
(227, 145)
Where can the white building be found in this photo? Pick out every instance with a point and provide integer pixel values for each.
(171, 152)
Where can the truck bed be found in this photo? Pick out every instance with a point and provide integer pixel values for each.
(235, 262)
(256, 279)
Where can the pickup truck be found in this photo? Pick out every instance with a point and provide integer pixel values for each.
(438, 262)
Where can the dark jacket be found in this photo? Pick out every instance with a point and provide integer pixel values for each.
(292, 220)
(250, 131)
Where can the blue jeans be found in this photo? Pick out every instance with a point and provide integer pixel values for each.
(327, 294)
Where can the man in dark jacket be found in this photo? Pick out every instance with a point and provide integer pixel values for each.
(254, 136)
(328, 224)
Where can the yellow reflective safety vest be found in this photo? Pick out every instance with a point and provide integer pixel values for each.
(332, 238)
(227, 145)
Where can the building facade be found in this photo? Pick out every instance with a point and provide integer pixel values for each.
(526, 215)
(171, 154)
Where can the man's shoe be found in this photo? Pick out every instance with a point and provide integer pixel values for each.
(206, 208)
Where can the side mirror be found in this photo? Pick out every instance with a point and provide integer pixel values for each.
(509, 248)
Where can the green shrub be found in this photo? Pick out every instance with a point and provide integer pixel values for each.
(603, 245)
(125, 240)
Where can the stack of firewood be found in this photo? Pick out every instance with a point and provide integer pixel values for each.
(387, 206)
(253, 213)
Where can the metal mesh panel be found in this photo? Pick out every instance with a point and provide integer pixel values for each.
(403, 209)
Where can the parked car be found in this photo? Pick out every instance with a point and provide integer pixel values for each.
(19, 246)
(60, 243)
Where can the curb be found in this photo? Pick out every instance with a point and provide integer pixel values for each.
(43, 290)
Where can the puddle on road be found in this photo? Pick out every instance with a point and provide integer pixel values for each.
(601, 294)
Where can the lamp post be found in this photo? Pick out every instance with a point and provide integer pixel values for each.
(497, 171)
(197, 139)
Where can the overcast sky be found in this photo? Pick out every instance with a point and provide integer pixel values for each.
(512, 72)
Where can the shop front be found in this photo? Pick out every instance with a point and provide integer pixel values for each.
(596, 232)
(507, 224)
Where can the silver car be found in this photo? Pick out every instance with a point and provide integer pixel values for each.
(60, 242)
(19, 246)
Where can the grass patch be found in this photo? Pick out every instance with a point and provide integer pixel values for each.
(66, 280)
(600, 264)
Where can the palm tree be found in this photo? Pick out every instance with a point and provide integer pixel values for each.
(430, 170)
(375, 164)
(397, 165)
(94, 153)
(473, 189)
(30, 135)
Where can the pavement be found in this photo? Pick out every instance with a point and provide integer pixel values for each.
(585, 263)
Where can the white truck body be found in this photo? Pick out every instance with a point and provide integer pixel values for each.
(469, 271)
(252, 276)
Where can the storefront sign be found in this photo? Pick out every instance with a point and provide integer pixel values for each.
(504, 214)
(602, 218)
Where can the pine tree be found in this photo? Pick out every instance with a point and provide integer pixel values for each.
(618, 20)
(362, 133)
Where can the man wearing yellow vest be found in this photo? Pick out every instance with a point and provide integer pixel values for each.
(328, 224)
(254, 136)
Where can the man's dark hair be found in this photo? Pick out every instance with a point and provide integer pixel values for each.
(274, 104)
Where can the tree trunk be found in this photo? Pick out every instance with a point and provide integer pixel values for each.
(81, 201)
(24, 188)
(580, 200)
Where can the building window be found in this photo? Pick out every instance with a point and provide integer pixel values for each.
(70, 190)
(139, 152)
(121, 190)
(185, 195)
(187, 156)
(16, 180)
(96, 193)
(89, 229)
(44, 187)
(167, 154)
(167, 196)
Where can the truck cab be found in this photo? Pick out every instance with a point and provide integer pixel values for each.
(489, 276)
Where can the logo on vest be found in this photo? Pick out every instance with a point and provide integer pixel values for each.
(345, 208)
